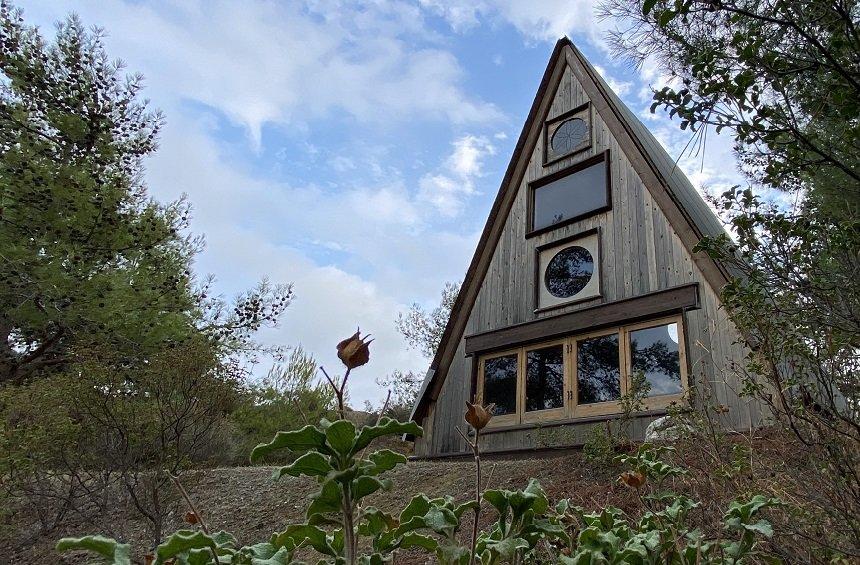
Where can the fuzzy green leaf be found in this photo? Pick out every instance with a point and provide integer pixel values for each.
(364, 486)
(297, 441)
(304, 534)
(312, 464)
(340, 436)
(384, 460)
(183, 541)
(328, 499)
(386, 426)
(114, 552)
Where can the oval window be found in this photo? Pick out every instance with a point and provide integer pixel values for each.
(568, 136)
(568, 271)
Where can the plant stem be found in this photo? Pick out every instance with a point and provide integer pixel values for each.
(477, 453)
(193, 508)
(349, 543)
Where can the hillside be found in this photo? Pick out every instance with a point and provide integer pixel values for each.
(248, 503)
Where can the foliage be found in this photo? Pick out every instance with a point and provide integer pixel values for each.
(83, 244)
(423, 330)
(140, 363)
(289, 397)
(404, 386)
(783, 79)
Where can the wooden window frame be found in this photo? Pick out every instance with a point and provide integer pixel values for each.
(603, 156)
(572, 411)
(506, 419)
(582, 111)
(661, 401)
(549, 414)
(560, 244)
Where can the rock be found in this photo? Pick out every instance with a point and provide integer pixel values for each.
(666, 429)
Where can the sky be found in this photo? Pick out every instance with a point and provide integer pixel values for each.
(352, 149)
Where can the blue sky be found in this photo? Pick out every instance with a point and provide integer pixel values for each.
(353, 149)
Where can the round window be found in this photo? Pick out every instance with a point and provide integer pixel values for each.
(568, 271)
(568, 136)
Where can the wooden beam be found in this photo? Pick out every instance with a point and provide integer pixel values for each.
(653, 304)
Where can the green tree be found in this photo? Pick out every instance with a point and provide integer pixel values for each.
(782, 77)
(87, 258)
(289, 397)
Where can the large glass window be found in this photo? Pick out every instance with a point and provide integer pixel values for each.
(598, 369)
(500, 383)
(585, 375)
(545, 378)
(572, 196)
(654, 354)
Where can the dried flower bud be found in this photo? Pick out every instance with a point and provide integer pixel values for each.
(633, 479)
(479, 416)
(149, 558)
(721, 409)
(354, 350)
(191, 518)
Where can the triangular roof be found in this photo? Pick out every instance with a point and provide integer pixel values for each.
(686, 211)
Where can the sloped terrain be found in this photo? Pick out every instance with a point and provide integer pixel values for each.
(248, 503)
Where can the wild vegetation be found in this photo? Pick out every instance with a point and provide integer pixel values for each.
(122, 373)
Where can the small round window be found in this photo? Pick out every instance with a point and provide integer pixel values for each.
(569, 271)
(568, 136)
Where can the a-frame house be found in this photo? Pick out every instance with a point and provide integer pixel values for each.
(583, 283)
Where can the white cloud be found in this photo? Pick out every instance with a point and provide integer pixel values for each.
(621, 88)
(447, 190)
(286, 63)
(546, 20)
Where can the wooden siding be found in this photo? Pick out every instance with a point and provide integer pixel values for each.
(641, 253)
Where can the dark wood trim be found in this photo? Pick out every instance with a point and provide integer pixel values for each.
(575, 168)
(571, 421)
(560, 118)
(559, 242)
(616, 313)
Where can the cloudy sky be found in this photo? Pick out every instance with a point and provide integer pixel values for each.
(353, 149)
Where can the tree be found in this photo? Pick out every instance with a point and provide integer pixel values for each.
(116, 367)
(423, 330)
(289, 397)
(783, 78)
(403, 386)
(87, 258)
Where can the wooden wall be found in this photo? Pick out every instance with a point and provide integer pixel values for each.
(640, 253)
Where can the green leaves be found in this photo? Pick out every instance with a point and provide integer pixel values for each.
(340, 436)
(386, 426)
(115, 553)
(312, 464)
(298, 441)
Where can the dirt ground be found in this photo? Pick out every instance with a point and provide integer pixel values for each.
(248, 503)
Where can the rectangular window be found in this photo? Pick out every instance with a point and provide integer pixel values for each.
(586, 375)
(500, 383)
(545, 378)
(598, 370)
(569, 195)
(654, 357)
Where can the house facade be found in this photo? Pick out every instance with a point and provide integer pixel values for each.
(584, 285)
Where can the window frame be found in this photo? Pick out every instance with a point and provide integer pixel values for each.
(582, 111)
(533, 186)
(555, 247)
(571, 409)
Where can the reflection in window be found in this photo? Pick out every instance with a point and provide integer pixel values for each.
(500, 383)
(568, 197)
(598, 371)
(545, 378)
(569, 271)
(654, 353)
